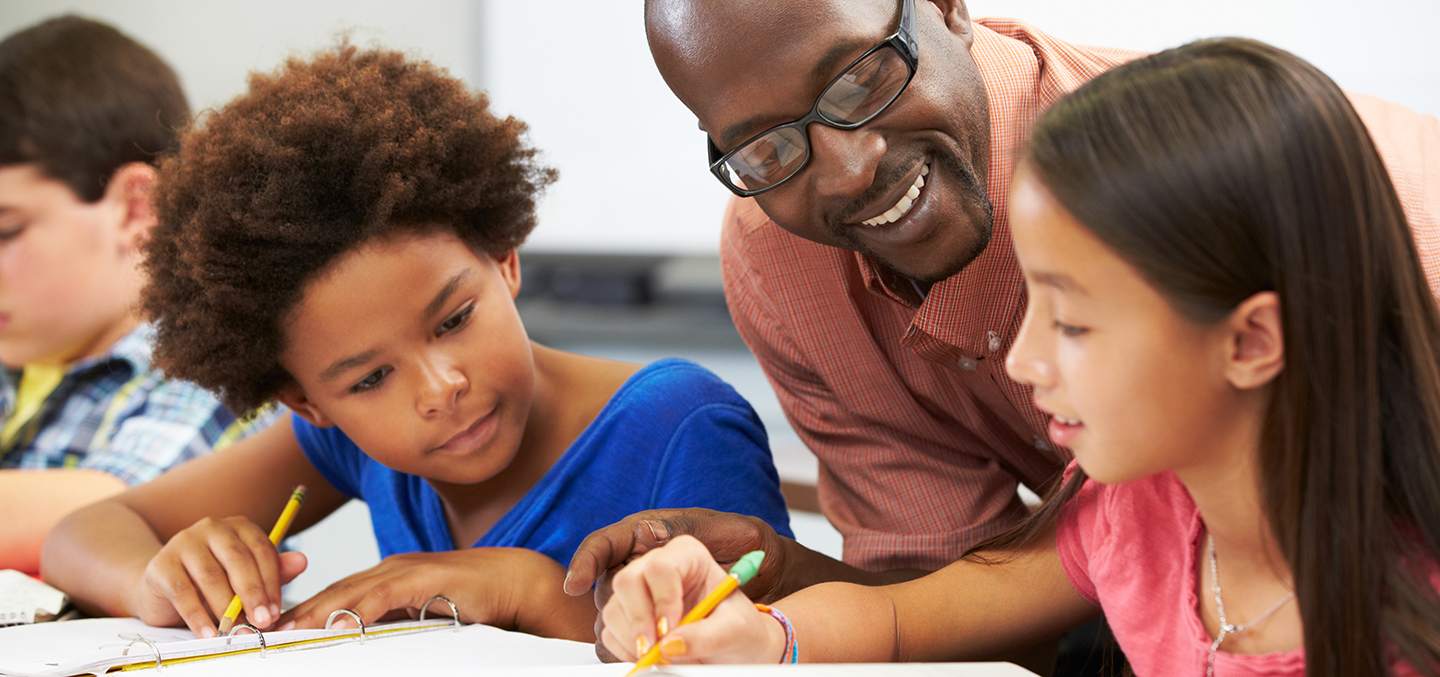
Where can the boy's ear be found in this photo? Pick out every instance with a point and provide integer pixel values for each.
(509, 264)
(131, 190)
(294, 397)
(1257, 342)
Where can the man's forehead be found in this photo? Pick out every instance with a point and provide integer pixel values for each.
(687, 23)
(726, 58)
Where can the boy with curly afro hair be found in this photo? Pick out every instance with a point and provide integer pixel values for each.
(343, 238)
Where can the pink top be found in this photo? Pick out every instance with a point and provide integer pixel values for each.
(1130, 549)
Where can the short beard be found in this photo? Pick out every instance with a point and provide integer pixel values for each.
(970, 186)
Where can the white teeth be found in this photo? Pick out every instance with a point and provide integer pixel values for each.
(906, 201)
(1068, 421)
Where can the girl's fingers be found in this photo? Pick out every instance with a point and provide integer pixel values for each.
(622, 649)
(666, 606)
(630, 613)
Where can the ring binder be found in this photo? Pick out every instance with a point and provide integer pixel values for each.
(169, 647)
(159, 664)
(454, 612)
(353, 615)
(246, 626)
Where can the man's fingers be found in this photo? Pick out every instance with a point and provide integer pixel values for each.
(653, 533)
(595, 555)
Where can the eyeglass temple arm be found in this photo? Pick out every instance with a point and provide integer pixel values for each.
(907, 27)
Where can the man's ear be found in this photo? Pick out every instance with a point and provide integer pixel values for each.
(131, 191)
(957, 19)
(509, 264)
(1256, 342)
(294, 397)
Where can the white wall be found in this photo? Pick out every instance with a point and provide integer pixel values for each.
(545, 61)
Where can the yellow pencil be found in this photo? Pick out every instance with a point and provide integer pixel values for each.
(739, 575)
(276, 535)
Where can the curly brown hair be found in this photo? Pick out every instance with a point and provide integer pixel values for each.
(316, 159)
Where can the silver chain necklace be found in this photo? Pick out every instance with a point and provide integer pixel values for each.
(1225, 628)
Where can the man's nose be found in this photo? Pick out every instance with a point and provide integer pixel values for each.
(843, 161)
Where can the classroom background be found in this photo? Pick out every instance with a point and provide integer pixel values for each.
(623, 263)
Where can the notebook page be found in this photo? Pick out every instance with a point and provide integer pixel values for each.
(473, 648)
(43, 647)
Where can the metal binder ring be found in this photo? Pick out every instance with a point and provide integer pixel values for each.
(353, 615)
(454, 613)
(246, 626)
(158, 664)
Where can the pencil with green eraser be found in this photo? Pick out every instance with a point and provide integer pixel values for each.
(739, 575)
(276, 535)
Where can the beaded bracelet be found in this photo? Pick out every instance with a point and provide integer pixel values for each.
(792, 648)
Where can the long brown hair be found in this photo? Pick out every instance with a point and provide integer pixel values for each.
(1228, 167)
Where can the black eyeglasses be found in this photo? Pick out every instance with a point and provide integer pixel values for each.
(864, 90)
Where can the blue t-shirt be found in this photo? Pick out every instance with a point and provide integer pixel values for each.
(673, 436)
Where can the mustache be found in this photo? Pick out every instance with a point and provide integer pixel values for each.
(885, 179)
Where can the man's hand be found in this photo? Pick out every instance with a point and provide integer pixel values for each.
(788, 567)
(728, 536)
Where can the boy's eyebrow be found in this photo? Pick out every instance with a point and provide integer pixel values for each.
(341, 366)
(1061, 281)
(445, 293)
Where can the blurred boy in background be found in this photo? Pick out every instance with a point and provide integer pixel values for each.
(84, 110)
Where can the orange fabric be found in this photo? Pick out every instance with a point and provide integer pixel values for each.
(920, 434)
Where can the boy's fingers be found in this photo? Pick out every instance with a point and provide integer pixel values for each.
(171, 581)
(264, 608)
(342, 594)
(242, 576)
(292, 564)
(209, 580)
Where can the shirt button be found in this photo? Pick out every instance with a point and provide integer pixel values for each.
(994, 341)
(967, 363)
(1040, 443)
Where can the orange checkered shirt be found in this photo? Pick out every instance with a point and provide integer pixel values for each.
(920, 434)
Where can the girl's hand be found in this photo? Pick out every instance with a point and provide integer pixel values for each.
(511, 588)
(653, 593)
(195, 575)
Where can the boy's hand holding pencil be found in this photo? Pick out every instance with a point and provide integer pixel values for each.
(652, 595)
(215, 566)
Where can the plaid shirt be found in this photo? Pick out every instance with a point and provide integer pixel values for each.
(114, 413)
(921, 435)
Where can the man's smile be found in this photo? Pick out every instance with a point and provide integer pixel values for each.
(906, 201)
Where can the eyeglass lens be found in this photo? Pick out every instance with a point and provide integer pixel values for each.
(856, 96)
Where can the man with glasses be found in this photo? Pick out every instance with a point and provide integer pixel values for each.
(872, 273)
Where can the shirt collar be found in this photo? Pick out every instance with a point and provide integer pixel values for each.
(1024, 71)
(133, 350)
